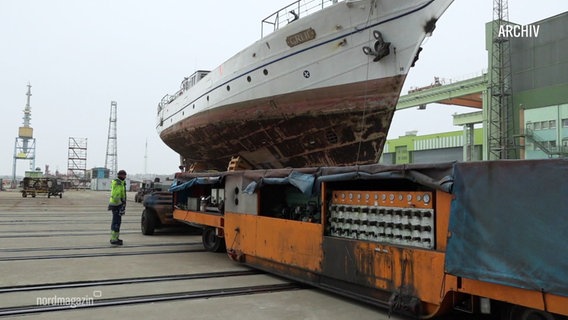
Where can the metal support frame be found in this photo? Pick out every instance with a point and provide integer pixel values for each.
(24, 147)
(111, 159)
(77, 163)
(469, 142)
(499, 124)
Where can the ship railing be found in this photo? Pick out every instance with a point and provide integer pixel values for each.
(167, 99)
(291, 12)
(185, 85)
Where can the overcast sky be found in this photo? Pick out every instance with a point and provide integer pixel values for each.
(79, 55)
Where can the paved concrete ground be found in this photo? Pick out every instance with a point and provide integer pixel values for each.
(64, 240)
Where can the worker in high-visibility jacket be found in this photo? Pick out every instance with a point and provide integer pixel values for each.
(117, 205)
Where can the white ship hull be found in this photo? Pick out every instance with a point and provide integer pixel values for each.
(307, 94)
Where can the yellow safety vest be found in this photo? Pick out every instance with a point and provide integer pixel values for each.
(117, 192)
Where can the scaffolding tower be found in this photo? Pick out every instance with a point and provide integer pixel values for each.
(500, 117)
(111, 160)
(77, 163)
(24, 147)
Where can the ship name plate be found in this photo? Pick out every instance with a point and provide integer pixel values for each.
(301, 37)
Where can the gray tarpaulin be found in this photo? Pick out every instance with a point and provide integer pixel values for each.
(431, 175)
(304, 182)
(509, 224)
(180, 185)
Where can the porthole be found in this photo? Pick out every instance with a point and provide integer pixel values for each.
(249, 79)
(228, 88)
(207, 98)
(265, 72)
(194, 106)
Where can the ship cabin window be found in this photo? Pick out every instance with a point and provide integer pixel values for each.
(190, 81)
(287, 202)
(202, 74)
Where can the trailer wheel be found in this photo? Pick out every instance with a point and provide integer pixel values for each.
(529, 314)
(211, 242)
(521, 313)
(148, 223)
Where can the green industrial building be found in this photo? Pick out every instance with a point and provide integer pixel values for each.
(439, 147)
(535, 76)
(540, 89)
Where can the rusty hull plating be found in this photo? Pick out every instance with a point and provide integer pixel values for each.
(347, 125)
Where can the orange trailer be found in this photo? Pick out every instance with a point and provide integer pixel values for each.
(416, 239)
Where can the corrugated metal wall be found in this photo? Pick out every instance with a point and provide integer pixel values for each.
(541, 61)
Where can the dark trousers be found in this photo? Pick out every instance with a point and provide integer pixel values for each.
(116, 219)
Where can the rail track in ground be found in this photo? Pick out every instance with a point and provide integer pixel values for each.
(60, 302)
(56, 262)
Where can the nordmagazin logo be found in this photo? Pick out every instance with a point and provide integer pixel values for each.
(518, 31)
(72, 302)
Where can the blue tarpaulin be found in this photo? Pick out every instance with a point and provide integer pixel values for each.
(304, 182)
(195, 181)
(509, 223)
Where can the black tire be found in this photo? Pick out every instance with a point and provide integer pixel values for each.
(148, 222)
(211, 242)
(24, 195)
(49, 195)
(529, 314)
(60, 195)
(521, 313)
